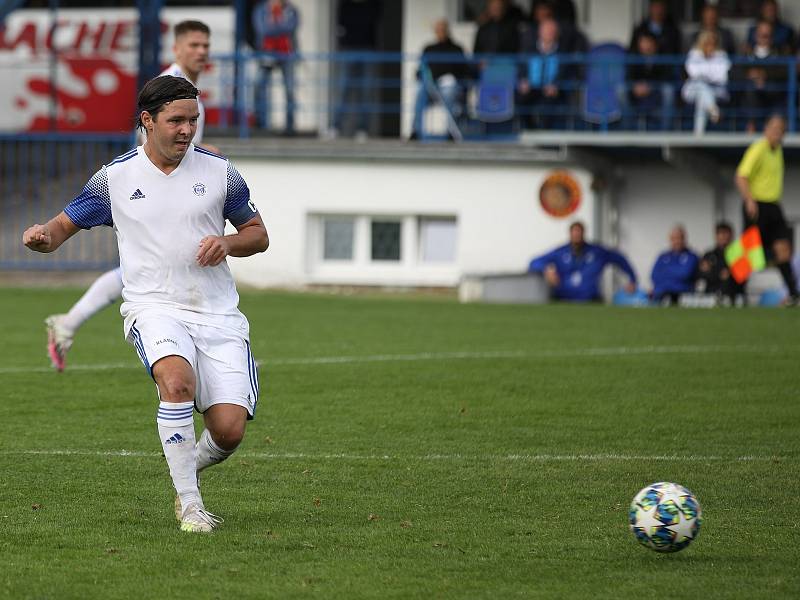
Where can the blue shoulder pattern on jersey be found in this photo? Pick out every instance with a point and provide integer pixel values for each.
(208, 153)
(238, 208)
(123, 157)
(92, 207)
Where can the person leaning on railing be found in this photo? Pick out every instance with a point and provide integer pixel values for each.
(707, 67)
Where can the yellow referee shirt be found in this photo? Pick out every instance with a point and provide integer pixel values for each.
(763, 168)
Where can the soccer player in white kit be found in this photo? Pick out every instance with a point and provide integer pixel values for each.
(191, 48)
(168, 201)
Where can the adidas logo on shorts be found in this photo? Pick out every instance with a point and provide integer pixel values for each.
(175, 438)
(137, 195)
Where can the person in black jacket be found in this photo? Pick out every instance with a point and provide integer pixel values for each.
(499, 34)
(661, 26)
(443, 78)
(651, 92)
(714, 276)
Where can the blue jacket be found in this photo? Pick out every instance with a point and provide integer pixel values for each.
(265, 26)
(674, 273)
(580, 273)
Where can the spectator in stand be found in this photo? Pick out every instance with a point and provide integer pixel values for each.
(275, 24)
(764, 84)
(571, 39)
(675, 270)
(783, 37)
(714, 277)
(357, 32)
(499, 33)
(661, 26)
(709, 21)
(540, 89)
(573, 271)
(448, 76)
(707, 67)
(651, 89)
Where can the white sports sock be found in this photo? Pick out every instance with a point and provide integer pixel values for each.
(208, 453)
(104, 291)
(176, 430)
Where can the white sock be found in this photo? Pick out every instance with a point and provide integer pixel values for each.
(208, 453)
(176, 430)
(104, 291)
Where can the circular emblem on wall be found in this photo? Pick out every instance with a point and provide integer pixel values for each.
(199, 189)
(560, 194)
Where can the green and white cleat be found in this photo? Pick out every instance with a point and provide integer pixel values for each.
(197, 519)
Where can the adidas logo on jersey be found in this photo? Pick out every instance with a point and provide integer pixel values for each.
(137, 195)
(175, 438)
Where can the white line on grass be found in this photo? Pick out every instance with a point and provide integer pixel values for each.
(433, 356)
(420, 458)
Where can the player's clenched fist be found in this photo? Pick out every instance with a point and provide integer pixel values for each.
(212, 251)
(37, 237)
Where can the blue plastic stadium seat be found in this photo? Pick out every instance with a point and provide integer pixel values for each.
(495, 102)
(605, 84)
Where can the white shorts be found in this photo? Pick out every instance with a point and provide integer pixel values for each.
(224, 367)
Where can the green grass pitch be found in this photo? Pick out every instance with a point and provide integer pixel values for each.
(413, 448)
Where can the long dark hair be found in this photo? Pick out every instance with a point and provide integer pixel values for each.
(160, 91)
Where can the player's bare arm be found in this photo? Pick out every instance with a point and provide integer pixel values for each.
(251, 238)
(750, 205)
(48, 237)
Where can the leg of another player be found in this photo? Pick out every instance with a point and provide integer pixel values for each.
(176, 387)
(783, 256)
(105, 290)
(225, 426)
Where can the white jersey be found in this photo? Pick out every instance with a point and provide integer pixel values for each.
(176, 71)
(159, 220)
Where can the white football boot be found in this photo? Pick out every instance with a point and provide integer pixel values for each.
(197, 519)
(59, 341)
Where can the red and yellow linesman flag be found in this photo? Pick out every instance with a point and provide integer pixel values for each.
(746, 255)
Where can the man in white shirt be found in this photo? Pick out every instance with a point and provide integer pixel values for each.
(168, 201)
(191, 49)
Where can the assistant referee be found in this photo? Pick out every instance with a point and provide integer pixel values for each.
(759, 178)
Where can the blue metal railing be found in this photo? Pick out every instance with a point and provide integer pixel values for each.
(595, 92)
(39, 175)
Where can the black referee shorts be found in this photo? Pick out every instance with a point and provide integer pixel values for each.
(771, 223)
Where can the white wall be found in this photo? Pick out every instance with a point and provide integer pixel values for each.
(500, 222)
(652, 200)
(609, 20)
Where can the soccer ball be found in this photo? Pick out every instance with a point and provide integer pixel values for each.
(665, 517)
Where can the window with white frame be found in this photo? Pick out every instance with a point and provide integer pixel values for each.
(437, 239)
(385, 240)
(338, 238)
(380, 241)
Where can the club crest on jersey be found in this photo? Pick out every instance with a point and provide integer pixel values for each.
(137, 195)
(199, 189)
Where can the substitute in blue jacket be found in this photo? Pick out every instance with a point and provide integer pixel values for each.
(573, 271)
(675, 271)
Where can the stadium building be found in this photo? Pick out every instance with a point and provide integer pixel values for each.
(351, 200)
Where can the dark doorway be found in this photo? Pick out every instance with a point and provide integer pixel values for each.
(366, 95)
